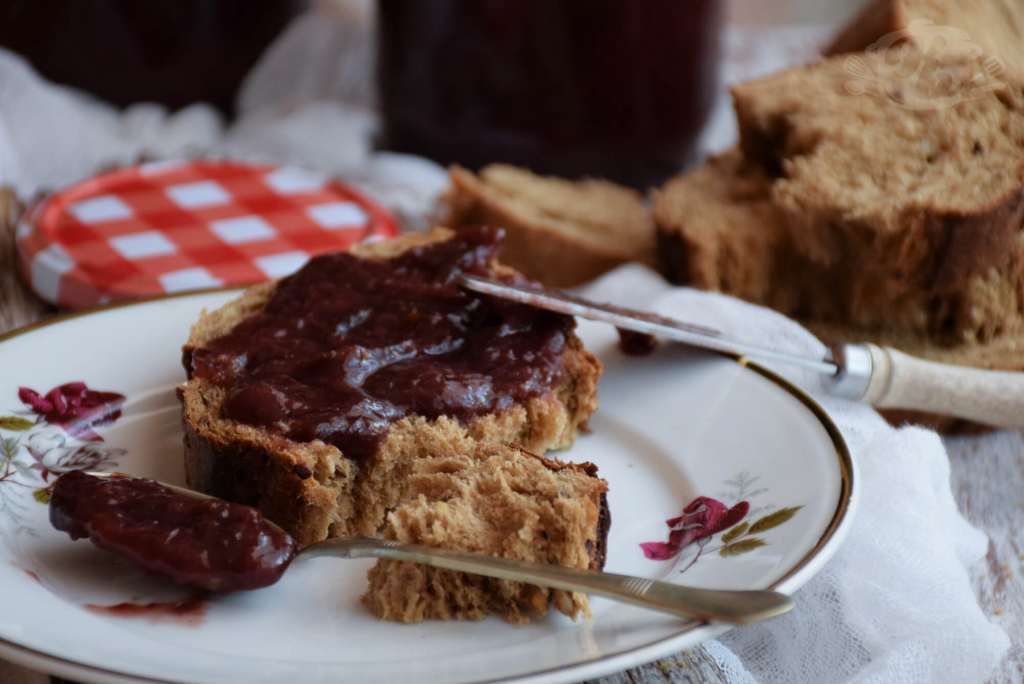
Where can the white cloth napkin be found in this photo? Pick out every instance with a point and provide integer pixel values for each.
(894, 605)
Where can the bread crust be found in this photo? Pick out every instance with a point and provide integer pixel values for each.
(718, 229)
(259, 470)
(311, 489)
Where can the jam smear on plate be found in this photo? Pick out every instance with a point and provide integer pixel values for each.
(189, 612)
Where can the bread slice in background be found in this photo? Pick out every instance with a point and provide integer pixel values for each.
(995, 27)
(904, 178)
(558, 232)
(718, 229)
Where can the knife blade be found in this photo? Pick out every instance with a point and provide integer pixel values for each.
(639, 321)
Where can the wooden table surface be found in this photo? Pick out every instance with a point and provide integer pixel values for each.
(987, 481)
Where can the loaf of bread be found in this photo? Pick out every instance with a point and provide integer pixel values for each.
(871, 210)
(994, 27)
(909, 189)
(558, 232)
(718, 229)
(315, 491)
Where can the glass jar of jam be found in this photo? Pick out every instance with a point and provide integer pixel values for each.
(612, 88)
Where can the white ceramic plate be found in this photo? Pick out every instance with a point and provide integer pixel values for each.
(671, 427)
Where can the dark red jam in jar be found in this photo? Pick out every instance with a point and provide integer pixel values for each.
(612, 88)
(348, 346)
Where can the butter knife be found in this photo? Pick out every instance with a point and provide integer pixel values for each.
(881, 376)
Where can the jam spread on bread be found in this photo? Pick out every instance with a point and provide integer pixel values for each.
(205, 543)
(348, 346)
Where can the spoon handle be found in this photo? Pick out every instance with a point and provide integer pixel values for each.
(687, 602)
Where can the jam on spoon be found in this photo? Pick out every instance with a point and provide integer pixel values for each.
(201, 542)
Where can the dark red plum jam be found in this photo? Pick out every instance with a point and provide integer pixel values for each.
(348, 346)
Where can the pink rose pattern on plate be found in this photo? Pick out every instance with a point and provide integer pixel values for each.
(702, 517)
(74, 407)
(705, 517)
(60, 438)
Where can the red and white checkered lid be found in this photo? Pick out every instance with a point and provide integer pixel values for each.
(167, 227)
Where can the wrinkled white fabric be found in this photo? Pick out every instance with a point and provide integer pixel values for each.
(53, 136)
(894, 605)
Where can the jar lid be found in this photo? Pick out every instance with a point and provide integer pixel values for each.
(165, 227)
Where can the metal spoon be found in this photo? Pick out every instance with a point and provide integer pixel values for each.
(736, 607)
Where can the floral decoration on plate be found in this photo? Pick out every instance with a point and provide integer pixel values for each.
(705, 517)
(58, 439)
(73, 407)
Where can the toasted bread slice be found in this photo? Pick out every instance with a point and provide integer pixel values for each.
(315, 491)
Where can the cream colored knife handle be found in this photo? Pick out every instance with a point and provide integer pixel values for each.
(902, 381)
